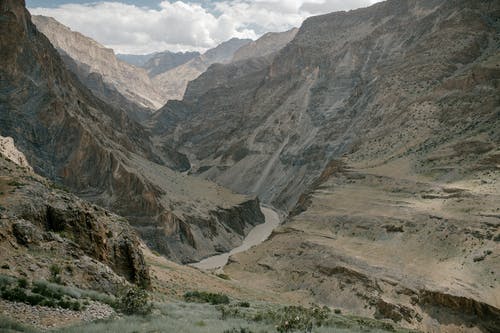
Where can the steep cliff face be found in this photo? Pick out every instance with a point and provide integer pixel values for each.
(173, 83)
(132, 82)
(348, 82)
(266, 45)
(72, 137)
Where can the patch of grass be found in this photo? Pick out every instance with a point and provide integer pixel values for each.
(8, 325)
(205, 297)
(244, 304)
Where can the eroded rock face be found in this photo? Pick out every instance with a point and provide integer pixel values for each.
(96, 150)
(266, 45)
(132, 82)
(101, 250)
(375, 81)
(9, 150)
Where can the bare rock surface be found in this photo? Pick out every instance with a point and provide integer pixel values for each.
(8, 149)
(266, 45)
(132, 82)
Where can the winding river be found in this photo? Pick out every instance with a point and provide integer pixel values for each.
(256, 236)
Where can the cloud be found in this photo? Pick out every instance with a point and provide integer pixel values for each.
(185, 25)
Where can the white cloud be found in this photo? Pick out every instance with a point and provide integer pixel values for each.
(184, 25)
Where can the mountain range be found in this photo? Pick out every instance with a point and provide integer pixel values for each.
(374, 133)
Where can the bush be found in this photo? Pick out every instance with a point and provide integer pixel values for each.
(238, 330)
(244, 304)
(134, 300)
(43, 288)
(204, 297)
(55, 274)
(22, 283)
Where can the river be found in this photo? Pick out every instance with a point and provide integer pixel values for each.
(256, 236)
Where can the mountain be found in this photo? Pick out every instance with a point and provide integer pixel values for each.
(92, 57)
(137, 60)
(163, 61)
(173, 83)
(378, 129)
(265, 45)
(71, 137)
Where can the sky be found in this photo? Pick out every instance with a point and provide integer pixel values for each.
(147, 26)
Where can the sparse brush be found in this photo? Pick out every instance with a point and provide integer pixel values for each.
(205, 297)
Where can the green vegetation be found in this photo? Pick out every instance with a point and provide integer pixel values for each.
(49, 294)
(134, 301)
(15, 183)
(8, 325)
(205, 318)
(205, 297)
(55, 274)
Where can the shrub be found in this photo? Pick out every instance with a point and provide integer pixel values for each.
(22, 283)
(224, 276)
(55, 274)
(134, 300)
(238, 330)
(205, 297)
(244, 304)
(43, 288)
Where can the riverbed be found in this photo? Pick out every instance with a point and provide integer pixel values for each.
(256, 236)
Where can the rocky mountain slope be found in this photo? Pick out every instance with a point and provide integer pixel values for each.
(379, 129)
(43, 227)
(266, 45)
(173, 83)
(71, 137)
(93, 58)
(164, 61)
(331, 93)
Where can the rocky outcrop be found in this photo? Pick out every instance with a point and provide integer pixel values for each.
(266, 45)
(130, 81)
(9, 150)
(71, 137)
(93, 247)
(173, 83)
